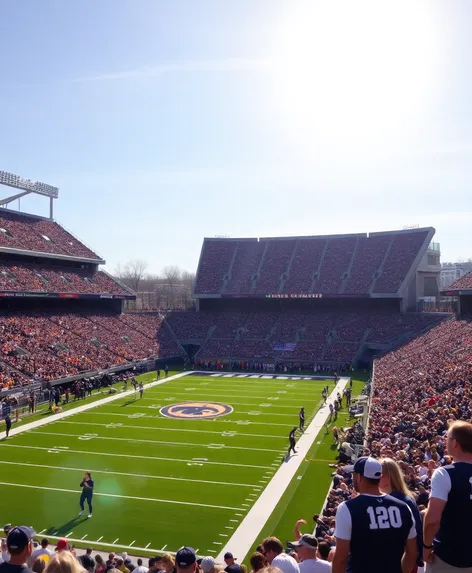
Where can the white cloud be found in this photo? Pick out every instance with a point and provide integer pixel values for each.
(184, 66)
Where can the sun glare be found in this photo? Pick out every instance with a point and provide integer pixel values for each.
(351, 71)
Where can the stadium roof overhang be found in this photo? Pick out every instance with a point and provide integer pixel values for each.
(457, 292)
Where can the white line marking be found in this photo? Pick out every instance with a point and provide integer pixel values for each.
(223, 534)
(99, 539)
(231, 402)
(114, 455)
(175, 502)
(132, 543)
(68, 535)
(151, 441)
(115, 540)
(126, 474)
(245, 505)
(88, 406)
(164, 547)
(106, 545)
(213, 421)
(152, 428)
(86, 535)
(147, 546)
(41, 532)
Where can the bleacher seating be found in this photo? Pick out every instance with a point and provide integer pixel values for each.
(351, 264)
(30, 233)
(464, 283)
(51, 345)
(316, 335)
(45, 278)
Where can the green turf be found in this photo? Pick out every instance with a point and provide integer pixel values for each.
(307, 491)
(43, 410)
(168, 482)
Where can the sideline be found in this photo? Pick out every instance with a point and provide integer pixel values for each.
(85, 407)
(244, 537)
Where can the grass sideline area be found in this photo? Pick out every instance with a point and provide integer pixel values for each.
(307, 491)
(160, 482)
(43, 410)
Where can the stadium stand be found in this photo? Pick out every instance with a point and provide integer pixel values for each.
(464, 283)
(351, 264)
(23, 232)
(60, 316)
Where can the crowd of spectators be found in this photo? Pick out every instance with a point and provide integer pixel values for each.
(53, 345)
(351, 264)
(27, 232)
(310, 335)
(47, 278)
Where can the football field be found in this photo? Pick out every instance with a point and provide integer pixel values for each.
(161, 481)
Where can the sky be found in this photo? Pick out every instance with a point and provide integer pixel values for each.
(166, 122)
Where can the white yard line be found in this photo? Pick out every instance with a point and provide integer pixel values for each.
(114, 455)
(213, 421)
(147, 476)
(218, 433)
(190, 395)
(75, 492)
(85, 407)
(255, 405)
(162, 442)
(243, 538)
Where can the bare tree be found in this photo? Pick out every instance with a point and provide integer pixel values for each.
(132, 273)
(172, 274)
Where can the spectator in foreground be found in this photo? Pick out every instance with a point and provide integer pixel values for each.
(257, 561)
(273, 551)
(128, 563)
(42, 551)
(307, 548)
(100, 567)
(64, 562)
(393, 483)
(168, 563)
(140, 568)
(20, 547)
(39, 565)
(186, 560)
(120, 565)
(373, 531)
(87, 560)
(231, 565)
(207, 565)
(448, 519)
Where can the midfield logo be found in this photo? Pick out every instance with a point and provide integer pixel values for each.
(196, 410)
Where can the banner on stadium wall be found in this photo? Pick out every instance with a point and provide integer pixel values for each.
(9, 294)
(285, 347)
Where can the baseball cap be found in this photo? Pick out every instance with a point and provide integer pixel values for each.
(62, 544)
(185, 557)
(367, 467)
(207, 564)
(7, 528)
(229, 555)
(305, 540)
(19, 537)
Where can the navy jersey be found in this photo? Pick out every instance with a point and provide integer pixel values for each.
(453, 484)
(292, 436)
(88, 490)
(378, 528)
(418, 522)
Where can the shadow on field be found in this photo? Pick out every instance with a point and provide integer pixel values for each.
(128, 402)
(64, 529)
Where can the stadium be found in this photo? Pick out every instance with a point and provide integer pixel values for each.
(276, 322)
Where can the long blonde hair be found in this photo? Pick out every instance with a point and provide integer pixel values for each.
(395, 476)
(64, 562)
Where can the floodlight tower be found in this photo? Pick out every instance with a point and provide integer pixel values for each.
(26, 186)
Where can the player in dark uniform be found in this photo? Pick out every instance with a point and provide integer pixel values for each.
(374, 532)
(141, 389)
(166, 370)
(7, 425)
(448, 520)
(158, 373)
(292, 441)
(87, 485)
(301, 415)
